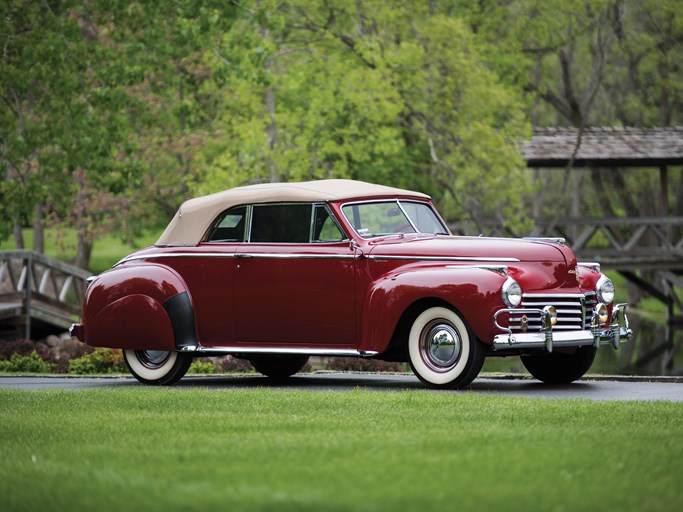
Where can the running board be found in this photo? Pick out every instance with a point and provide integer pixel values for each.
(335, 352)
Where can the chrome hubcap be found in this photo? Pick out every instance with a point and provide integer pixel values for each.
(440, 346)
(152, 359)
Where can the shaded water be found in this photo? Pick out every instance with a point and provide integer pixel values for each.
(653, 351)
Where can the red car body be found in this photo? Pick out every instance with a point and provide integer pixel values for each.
(418, 294)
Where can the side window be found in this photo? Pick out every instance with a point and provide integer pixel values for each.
(284, 223)
(230, 226)
(325, 229)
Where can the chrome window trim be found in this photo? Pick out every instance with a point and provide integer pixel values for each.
(221, 216)
(251, 206)
(412, 224)
(398, 201)
(336, 223)
(311, 224)
(250, 216)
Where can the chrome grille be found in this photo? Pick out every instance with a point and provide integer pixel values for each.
(573, 311)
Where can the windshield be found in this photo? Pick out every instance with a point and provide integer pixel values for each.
(388, 217)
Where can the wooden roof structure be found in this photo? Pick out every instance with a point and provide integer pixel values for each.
(604, 147)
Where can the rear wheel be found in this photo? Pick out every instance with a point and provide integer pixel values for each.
(158, 367)
(278, 366)
(559, 368)
(442, 350)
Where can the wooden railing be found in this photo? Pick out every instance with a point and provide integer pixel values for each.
(643, 243)
(35, 288)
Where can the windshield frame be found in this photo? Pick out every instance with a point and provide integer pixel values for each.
(398, 202)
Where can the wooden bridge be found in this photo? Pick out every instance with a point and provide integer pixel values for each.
(38, 295)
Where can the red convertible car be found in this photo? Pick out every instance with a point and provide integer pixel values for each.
(275, 273)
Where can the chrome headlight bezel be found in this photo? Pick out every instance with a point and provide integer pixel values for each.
(605, 290)
(511, 293)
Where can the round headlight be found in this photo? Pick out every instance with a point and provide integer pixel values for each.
(605, 290)
(512, 293)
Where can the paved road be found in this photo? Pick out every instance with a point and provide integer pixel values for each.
(588, 389)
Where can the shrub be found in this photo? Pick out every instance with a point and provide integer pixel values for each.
(31, 363)
(229, 364)
(200, 366)
(101, 360)
(356, 364)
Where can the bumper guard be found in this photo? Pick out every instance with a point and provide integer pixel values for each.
(618, 332)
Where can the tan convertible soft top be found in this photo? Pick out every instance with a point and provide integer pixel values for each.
(194, 216)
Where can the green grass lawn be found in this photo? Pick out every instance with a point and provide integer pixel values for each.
(106, 251)
(271, 449)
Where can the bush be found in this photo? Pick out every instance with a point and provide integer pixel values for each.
(31, 363)
(229, 364)
(200, 366)
(356, 364)
(101, 360)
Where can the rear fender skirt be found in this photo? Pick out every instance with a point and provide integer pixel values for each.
(132, 322)
(179, 310)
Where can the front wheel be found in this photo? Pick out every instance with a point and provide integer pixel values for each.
(442, 350)
(278, 366)
(158, 367)
(559, 368)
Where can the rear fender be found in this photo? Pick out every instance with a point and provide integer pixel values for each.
(143, 306)
(474, 292)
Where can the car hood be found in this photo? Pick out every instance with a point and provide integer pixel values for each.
(503, 250)
(536, 264)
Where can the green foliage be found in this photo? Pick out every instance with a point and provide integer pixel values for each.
(276, 449)
(116, 111)
(31, 363)
(202, 367)
(367, 91)
(101, 361)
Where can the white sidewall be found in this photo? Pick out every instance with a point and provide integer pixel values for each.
(414, 345)
(147, 373)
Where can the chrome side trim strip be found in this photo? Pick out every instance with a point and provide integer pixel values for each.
(441, 258)
(281, 350)
(498, 269)
(175, 255)
(297, 256)
(558, 240)
(237, 255)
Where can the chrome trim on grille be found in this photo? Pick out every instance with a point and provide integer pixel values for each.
(572, 311)
(549, 337)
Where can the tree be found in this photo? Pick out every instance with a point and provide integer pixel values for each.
(364, 90)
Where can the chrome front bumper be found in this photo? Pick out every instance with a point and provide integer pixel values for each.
(617, 333)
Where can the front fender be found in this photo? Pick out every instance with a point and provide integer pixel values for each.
(474, 292)
(142, 306)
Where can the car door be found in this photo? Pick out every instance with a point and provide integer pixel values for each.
(294, 280)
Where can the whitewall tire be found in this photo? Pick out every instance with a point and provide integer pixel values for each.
(157, 366)
(442, 350)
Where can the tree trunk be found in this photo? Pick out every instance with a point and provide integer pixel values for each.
(83, 252)
(38, 229)
(18, 234)
(269, 103)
